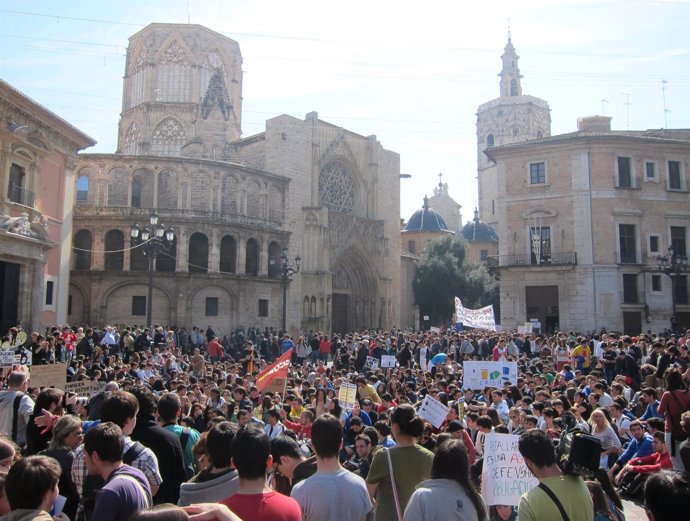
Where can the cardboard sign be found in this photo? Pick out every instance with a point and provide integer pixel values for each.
(347, 395)
(388, 361)
(480, 374)
(7, 358)
(505, 477)
(85, 388)
(433, 411)
(50, 375)
(372, 363)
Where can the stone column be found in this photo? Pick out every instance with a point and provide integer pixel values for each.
(37, 294)
(241, 255)
(263, 257)
(155, 189)
(126, 258)
(182, 254)
(98, 247)
(214, 252)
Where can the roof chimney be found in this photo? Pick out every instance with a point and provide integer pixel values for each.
(594, 124)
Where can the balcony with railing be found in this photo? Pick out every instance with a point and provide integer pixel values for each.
(564, 258)
(20, 195)
(85, 211)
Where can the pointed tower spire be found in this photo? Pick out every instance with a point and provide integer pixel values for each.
(510, 73)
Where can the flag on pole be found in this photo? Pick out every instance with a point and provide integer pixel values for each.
(277, 370)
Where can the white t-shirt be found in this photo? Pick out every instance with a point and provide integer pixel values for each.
(339, 495)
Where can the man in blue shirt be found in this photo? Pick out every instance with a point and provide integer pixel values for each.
(652, 410)
(641, 445)
(286, 344)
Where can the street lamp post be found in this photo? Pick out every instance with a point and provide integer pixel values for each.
(673, 265)
(152, 241)
(288, 270)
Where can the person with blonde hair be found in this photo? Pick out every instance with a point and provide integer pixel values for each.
(601, 429)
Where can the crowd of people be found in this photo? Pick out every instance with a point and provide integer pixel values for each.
(177, 427)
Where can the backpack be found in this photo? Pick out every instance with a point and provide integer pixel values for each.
(92, 484)
(188, 465)
(578, 453)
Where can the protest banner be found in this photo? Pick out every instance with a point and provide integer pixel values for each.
(347, 395)
(434, 329)
(482, 318)
(275, 375)
(49, 375)
(480, 374)
(388, 360)
(85, 388)
(505, 477)
(372, 363)
(433, 411)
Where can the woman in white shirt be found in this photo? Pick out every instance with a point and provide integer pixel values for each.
(601, 428)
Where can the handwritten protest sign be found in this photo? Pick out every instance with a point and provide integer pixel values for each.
(388, 360)
(50, 375)
(482, 318)
(480, 374)
(433, 411)
(85, 388)
(7, 358)
(525, 329)
(505, 477)
(372, 363)
(347, 395)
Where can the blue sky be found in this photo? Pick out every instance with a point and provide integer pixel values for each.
(411, 73)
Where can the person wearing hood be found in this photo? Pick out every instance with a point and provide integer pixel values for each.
(220, 481)
(449, 494)
(32, 488)
(16, 407)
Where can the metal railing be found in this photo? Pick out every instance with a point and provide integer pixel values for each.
(565, 258)
(20, 195)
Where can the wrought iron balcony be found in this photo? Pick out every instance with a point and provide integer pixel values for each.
(564, 258)
(20, 195)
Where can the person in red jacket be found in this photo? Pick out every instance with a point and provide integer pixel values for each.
(215, 350)
(637, 470)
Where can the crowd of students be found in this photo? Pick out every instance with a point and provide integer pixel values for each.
(181, 431)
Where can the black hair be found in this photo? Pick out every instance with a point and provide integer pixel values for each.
(148, 401)
(29, 480)
(119, 407)
(405, 417)
(327, 436)
(451, 462)
(666, 494)
(168, 406)
(285, 446)
(536, 446)
(251, 449)
(219, 443)
(106, 440)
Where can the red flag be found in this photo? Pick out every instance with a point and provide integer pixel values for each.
(278, 369)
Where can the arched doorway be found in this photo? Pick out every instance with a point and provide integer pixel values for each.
(355, 293)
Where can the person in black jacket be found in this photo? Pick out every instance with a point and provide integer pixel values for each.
(164, 444)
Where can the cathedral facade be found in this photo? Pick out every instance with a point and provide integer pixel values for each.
(328, 195)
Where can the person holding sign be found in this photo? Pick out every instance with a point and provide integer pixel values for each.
(558, 496)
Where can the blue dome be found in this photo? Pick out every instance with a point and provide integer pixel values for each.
(477, 231)
(426, 220)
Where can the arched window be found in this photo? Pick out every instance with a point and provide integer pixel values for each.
(137, 260)
(274, 261)
(174, 75)
(167, 190)
(132, 138)
(198, 253)
(114, 250)
(490, 140)
(251, 265)
(166, 260)
(513, 88)
(168, 138)
(312, 307)
(136, 194)
(83, 189)
(337, 188)
(117, 187)
(228, 254)
(82, 250)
